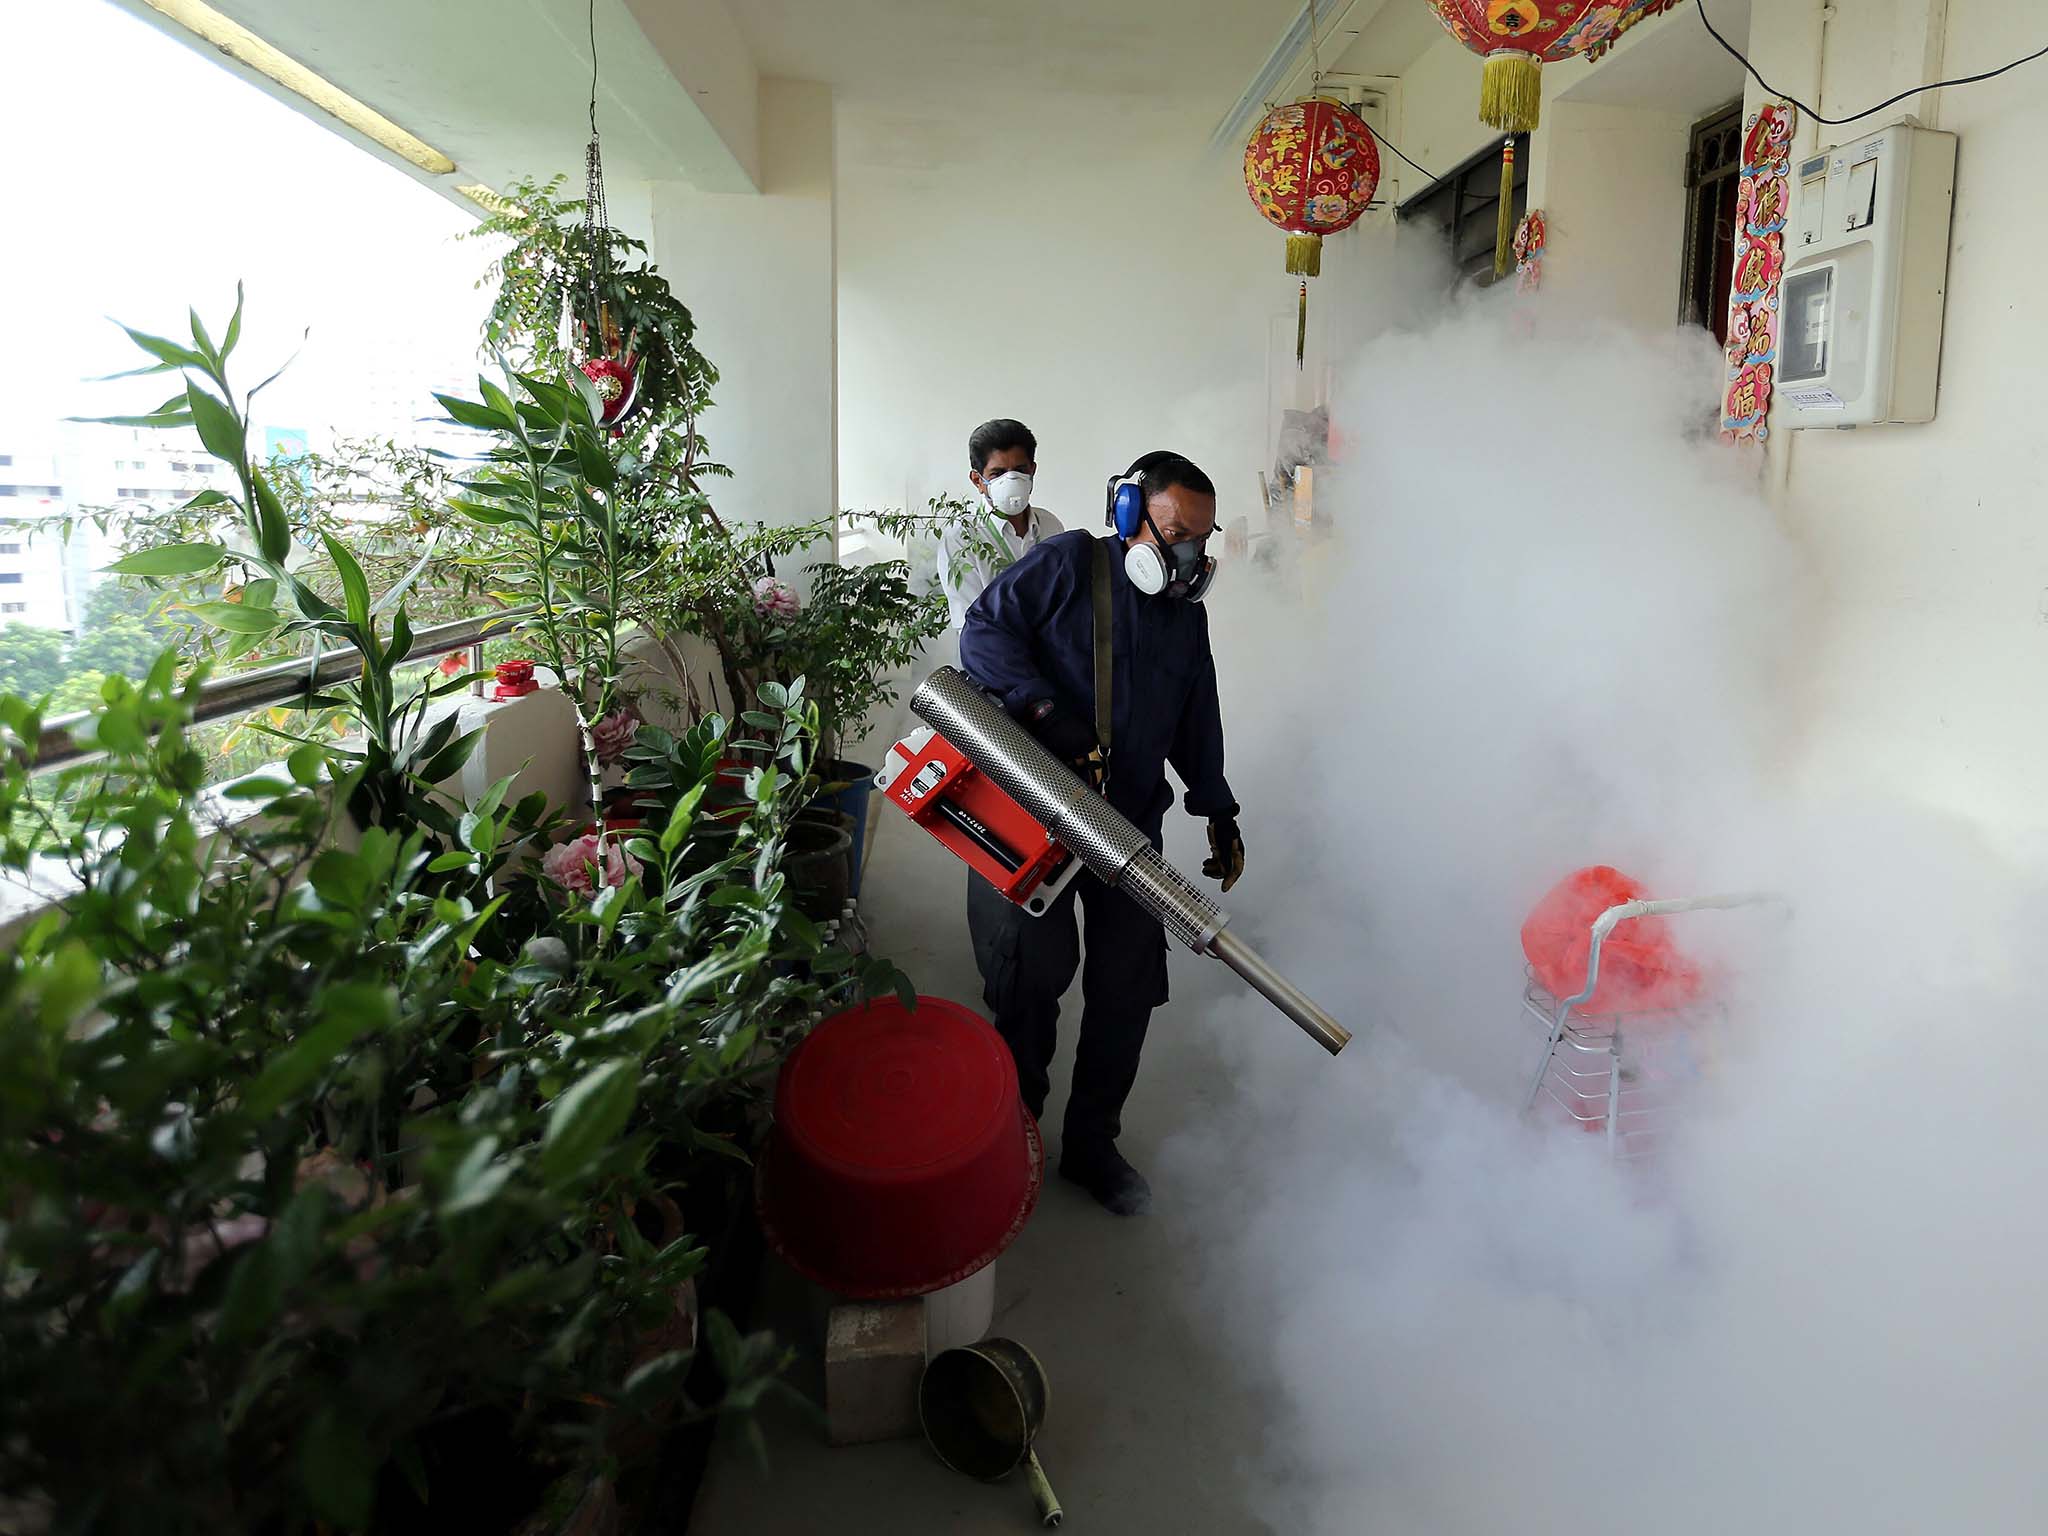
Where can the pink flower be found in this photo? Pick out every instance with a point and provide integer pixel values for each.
(775, 598)
(572, 864)
(453, 663)
(613, 734)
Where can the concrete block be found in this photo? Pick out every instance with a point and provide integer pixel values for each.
(874, 1358)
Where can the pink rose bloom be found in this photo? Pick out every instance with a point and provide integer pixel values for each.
(613, 734)
(775, 598)
(571, 864)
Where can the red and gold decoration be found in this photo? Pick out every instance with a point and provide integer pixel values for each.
(1311, 167)
(1762, 200)
(617, 381)
(1517, 38)
(1530, 236)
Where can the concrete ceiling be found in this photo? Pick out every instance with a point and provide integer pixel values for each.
(1390, 39)
(1669, 63)
(1010, 55)
(926, 82)
(502, 86)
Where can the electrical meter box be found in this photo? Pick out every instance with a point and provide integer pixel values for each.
(1866, 273)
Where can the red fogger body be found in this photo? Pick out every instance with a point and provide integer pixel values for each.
(935, 784)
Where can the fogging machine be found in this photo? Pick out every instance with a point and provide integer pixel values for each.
(1026, 823)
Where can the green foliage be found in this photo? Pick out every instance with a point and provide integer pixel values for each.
(249, 586)
(122, 646)
(547, 316)
(311, 1154)
(860, 626)
(971, 524)
(31, 659)
(340, 1112)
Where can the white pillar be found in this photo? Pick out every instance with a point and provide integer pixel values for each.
(759, 274)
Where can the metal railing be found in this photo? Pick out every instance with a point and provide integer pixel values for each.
(241, 692)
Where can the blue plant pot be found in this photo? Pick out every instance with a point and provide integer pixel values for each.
(852, 801)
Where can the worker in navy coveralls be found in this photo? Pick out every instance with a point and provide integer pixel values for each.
(1029, 640)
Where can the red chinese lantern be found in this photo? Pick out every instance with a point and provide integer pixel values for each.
(1517, 38)
(1312, 167)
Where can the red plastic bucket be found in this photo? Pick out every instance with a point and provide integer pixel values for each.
(902, 1159)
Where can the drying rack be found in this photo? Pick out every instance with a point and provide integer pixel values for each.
(1616, 1074)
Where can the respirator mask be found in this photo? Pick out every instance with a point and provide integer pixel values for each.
(1009, 493)
(1176, 570)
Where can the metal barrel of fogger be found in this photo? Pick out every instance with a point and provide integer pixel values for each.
(1104, 840)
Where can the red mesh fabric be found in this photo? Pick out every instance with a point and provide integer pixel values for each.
(1641, 971)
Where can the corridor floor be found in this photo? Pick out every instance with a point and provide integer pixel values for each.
(1146, 1430)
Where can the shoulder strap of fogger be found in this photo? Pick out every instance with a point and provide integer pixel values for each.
(1104, 639)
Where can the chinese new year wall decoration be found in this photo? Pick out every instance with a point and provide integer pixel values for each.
(1530, 236)
(1599, 50)
(1517, 38)
(1761, 202)
(1311, 168)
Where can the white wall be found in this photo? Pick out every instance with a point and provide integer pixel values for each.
(1111, 293)
(757, 272)
(1931, 539)
(1440, 125)
(1611, 184)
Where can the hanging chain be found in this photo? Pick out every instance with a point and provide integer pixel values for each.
(597, 234)
(1315, 57)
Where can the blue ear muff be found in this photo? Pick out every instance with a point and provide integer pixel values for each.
(1126, 504)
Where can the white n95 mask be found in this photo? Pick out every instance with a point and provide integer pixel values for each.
(1010, 493)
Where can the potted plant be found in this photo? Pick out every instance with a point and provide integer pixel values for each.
(860, 627)
(356, 1190)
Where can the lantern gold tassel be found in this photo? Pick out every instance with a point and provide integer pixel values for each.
(1305, 259)
(1511, 91)
(1504, 233)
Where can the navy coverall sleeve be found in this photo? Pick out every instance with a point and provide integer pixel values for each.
(996, 642)
(1197, 752)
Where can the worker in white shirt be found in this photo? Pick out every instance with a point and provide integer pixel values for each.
(1002, 457)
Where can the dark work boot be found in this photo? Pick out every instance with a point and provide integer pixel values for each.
(1117, 1187)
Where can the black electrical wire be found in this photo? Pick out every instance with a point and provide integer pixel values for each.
(1814, 116)
(1388, 143)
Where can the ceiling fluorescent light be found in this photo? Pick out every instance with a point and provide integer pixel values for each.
(245, 47)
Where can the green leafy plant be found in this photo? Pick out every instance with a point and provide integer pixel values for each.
(858, 629)
(301, 1180)
(550, 309)
(402, 751)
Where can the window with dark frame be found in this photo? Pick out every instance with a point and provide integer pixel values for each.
(1713, 173)
(1466, 205)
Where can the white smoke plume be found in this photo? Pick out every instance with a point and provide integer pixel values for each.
(1554, 623)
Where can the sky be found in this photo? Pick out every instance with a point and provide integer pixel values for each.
(140, 178)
